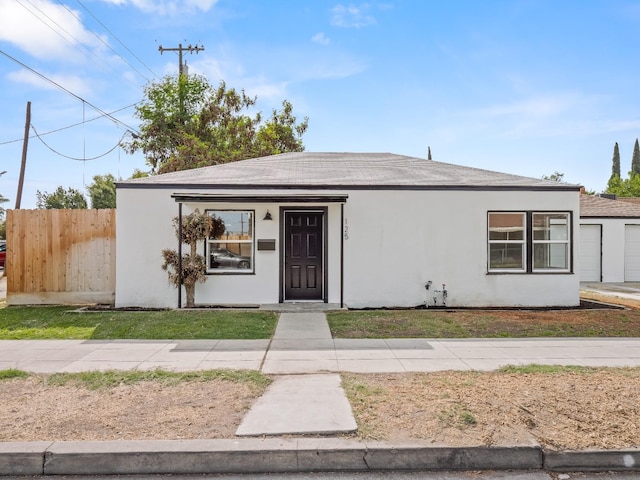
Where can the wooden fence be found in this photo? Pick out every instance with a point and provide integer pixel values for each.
(61, 256)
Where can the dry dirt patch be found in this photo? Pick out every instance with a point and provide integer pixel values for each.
(568, 410)
(561, 411)
(31, 410)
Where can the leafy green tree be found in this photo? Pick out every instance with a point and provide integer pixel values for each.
(137, 173)
(61, 198)
(615, 167)
(3, 199)
(627, 187)
(2, 209)
(196, 227)
(102, 192)
(555, 176)
(617, 186)
(186, 123)
(635, 159)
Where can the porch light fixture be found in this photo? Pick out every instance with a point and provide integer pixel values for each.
(267, 216)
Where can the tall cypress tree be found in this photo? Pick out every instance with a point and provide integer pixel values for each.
(615, 168)
(635, 160)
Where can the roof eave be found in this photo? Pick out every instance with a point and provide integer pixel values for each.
(255, 186)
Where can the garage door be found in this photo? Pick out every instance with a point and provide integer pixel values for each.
(590, 253)
(632, 253)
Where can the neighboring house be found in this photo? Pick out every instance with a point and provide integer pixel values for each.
(609, 240)
(357, 230)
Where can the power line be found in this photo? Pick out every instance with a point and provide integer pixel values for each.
(49, 18)
(100, 39)
(73, 125)
(76, 158)
(77, 97)
(77, 43)
(116, 38)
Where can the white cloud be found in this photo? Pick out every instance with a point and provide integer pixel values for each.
(271, 80)
(321, 39)
(73, 83)
(235, 76)
(45, 30)
(547, 115)
(351, 16)
(168, 7)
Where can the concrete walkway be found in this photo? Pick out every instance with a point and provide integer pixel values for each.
(628, 290)
(300, 404)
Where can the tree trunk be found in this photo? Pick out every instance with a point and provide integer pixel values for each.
(190, 290)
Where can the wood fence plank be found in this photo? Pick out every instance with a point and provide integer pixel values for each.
(58, 254)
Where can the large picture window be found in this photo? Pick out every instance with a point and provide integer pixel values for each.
(529, 242)
(230, 248)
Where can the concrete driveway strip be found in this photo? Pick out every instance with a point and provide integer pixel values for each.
(300, 404)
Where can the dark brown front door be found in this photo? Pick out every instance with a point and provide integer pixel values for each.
(304, 256)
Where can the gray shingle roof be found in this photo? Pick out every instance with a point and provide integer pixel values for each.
(635, 200)
(340, 170)
(592, 206)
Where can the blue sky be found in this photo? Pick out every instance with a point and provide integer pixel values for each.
(520, 86)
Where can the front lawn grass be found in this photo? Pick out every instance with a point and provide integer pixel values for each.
(60, 322)
(484, 323)
(112, 378)
(96, 380)
(12, 373)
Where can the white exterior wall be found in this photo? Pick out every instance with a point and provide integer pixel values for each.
(399, 240)
(394, 242)
(144, 228)
(613, 245)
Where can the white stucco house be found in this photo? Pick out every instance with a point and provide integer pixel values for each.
(609, 240)
(357, 230)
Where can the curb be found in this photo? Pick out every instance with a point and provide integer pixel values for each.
(271, 455)
(593, 460)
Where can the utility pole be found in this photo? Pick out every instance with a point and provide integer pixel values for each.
(190, 48)
(25, 144)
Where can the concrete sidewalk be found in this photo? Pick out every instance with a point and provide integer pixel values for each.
(315, 355)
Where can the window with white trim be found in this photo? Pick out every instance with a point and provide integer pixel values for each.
(550, 242)
(230, 247)
(529, 242)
